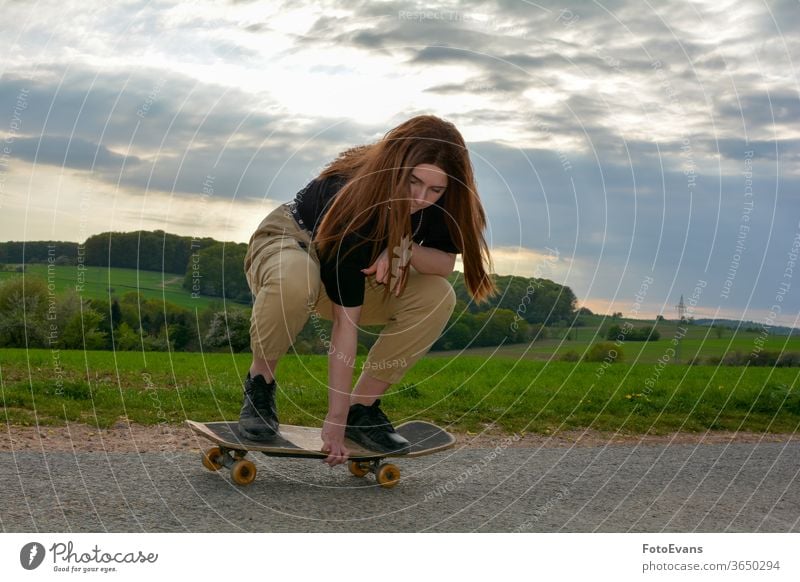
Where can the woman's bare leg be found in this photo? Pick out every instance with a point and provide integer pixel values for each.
(368, 389)
(264, 368)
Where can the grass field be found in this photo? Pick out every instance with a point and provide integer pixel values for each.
(102, 282)
(463, 393)
(522, 387)
(698, 341)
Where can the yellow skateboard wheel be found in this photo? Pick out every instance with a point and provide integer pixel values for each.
(388, 475)
(359, 468)
(210, 459)
(243, 472)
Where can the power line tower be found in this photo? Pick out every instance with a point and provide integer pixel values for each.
(681, 307)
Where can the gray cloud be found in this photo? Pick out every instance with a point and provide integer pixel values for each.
(75, 153)
(735, 148)
(621, 204)
(761, 110)
(182, 130)
(631, 218)
(482, 84)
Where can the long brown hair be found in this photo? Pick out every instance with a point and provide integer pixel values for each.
(376, 197)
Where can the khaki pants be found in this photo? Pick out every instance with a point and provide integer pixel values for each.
(283, 273)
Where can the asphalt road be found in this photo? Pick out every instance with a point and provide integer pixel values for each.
(618, 488)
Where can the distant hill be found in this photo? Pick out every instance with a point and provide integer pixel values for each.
(145, 250)
(153, 289)
(145, 289)
(211, 268)
(18, 252)
(207, 267)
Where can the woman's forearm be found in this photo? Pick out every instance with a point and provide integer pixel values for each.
(430, 261)
(341, 359)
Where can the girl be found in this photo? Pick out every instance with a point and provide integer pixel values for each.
(370, 241)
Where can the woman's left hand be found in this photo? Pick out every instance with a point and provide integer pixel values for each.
(333, 441)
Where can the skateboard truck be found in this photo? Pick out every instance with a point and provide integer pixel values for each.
(243, 471)
(387, 474)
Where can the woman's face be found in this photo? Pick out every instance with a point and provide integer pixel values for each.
(428, 183)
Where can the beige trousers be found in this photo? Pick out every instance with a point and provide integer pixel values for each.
(282, 270)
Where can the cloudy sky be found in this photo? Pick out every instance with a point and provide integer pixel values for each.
(633, 150)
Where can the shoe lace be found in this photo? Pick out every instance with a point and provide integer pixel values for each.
(262, 397)
(380, 420)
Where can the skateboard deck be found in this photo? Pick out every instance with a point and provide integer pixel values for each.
(306, 442)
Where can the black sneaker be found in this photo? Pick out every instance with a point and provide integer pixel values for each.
(369, 427)
(258, 420)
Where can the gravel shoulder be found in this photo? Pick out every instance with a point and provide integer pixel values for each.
(126, 438)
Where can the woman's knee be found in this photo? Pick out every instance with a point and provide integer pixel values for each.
(437, 294)
(298, 288)
(291, 278)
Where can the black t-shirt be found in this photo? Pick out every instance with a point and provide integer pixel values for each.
(341, 275)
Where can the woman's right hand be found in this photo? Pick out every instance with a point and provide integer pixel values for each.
(380, 268)
(333, 441)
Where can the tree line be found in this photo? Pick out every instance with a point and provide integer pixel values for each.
(519, 313)
(210, 267)
(145, 250)
(32, 316)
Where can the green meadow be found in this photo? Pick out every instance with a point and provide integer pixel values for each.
(693, 342)
(516, 388)
(464, 393)
(103, 282)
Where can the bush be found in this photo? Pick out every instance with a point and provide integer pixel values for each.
(126, 339)
(604, 352)
(789, 360)
(634, 334)
(570, 356)
(776, 397)
(158, 343)
(765, 358)
(23, 313)
(649, 334)
(81, 331)
(614, 332)
(735, 358)
(229, 329)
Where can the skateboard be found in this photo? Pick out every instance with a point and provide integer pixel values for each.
(306, 442)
